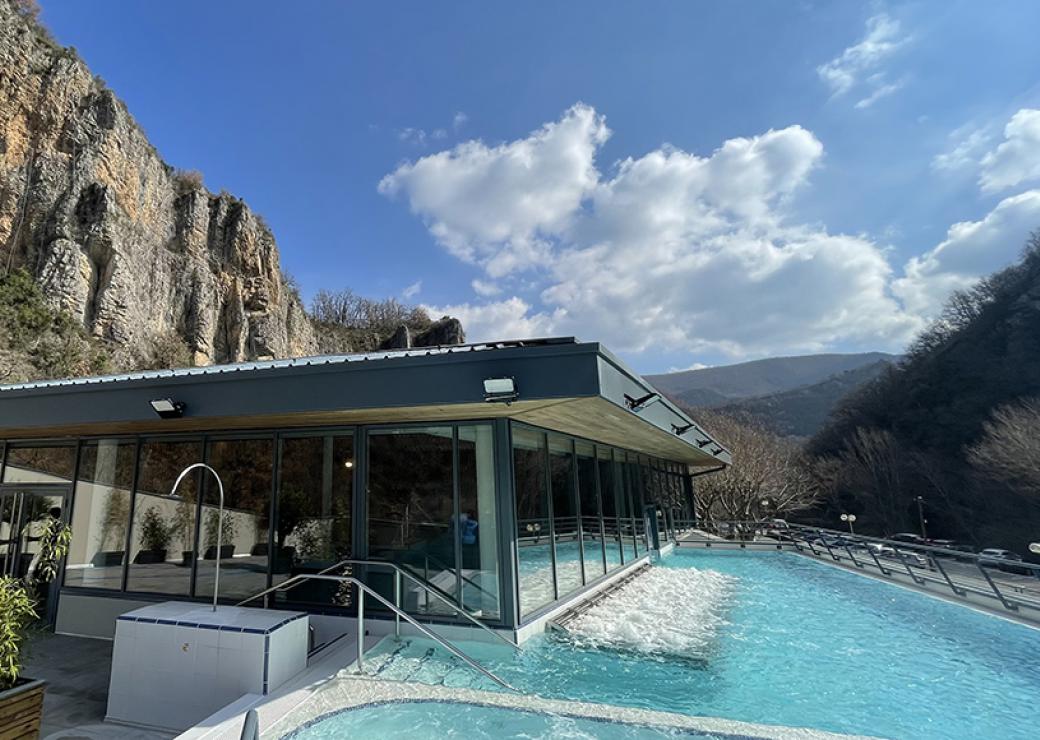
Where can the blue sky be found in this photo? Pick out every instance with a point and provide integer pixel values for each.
(689, 182)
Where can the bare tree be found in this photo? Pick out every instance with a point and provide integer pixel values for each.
(871, 467)
(769, 475)
(1009, 450)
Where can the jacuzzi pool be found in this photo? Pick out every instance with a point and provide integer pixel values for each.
(779, 640)
(435, 719)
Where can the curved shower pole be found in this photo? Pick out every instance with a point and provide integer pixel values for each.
(220, 520)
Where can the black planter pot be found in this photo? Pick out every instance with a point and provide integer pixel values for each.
(150, 557)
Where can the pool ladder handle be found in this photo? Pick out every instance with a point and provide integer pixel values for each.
(398, 611)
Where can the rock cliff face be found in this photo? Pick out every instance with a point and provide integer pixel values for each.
(113, 234)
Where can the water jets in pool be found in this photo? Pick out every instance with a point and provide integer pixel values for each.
(665, 611)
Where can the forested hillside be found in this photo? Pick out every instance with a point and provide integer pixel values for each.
(931, 426)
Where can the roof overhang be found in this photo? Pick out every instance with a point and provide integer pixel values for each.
(577, 388)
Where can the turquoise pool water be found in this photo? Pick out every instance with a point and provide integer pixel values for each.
(423, 720)
(801, 644)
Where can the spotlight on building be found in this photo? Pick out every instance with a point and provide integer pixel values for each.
(680, 431)
(500, 390)
(167, 408)
(634, 404)
(702, 443)
(348, 463)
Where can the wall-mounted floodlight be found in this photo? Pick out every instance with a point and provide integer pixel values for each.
(716, 451)
(500, 390)
(167, 408)
(634, 404)
(681, 430)
(702, 443)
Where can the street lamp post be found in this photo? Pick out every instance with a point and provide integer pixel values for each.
(920, 515)
(849, 518)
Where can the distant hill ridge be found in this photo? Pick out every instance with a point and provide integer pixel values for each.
(720, 386)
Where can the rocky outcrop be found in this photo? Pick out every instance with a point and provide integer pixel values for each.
(117, 237)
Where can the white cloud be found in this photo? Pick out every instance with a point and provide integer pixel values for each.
(412, 136)
(497, 206)
(507, 319)
(1017, 158)
(459, 120)
(858, 67)
(485, 288)
(412, 290)
(882, 90)
(968, 143)
(671, 250)
(971, 249)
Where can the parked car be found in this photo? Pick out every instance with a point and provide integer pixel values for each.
(906, 556)
(1005, 560)
(908, 537)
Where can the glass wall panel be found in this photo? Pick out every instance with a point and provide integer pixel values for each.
(635, 501)
(40, 464)
(534, 548)
(591, 521)
(411, 508)
(624, 494)
(565, 515)
(101, 514)
(246, 468)
(478, 523)
(163, 533)
(612, 523)
(313, 518)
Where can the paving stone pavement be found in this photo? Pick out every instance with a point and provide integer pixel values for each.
(76, 670)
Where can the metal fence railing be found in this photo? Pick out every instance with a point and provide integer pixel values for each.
(1012, 583)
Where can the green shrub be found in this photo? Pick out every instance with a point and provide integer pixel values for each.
(155, 534)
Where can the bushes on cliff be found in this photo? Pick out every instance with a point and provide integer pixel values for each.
(347, 322)
(37, 341)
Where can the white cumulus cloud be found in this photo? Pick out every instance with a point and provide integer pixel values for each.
(671, 249)
(1017, 158)
(971, 250)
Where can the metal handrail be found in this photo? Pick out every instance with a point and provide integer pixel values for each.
(362, 590)
(297, 579)
(798, 537)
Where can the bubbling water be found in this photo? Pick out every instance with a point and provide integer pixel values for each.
(664, 611)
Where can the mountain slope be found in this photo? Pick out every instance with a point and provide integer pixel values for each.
(906, 433)
(801, 412)
(759, 377)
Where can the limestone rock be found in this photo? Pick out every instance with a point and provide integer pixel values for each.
(444, 331)
(113, 234)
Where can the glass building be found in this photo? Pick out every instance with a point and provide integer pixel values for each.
(512, 478)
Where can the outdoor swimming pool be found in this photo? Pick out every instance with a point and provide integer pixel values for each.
(790, 642)
(474, 722)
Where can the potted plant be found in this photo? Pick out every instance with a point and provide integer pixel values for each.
(155, 538)
(21, 699)
(227, 536)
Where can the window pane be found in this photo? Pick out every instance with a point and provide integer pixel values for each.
(591, 530)
(534, 566)
(163, 533)
(312, 532)
(411, 509)
(478, 525)
(40, 464)
(608, 483)
(245, 466)
(565, 515)
(101, 514)
(637, 503)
